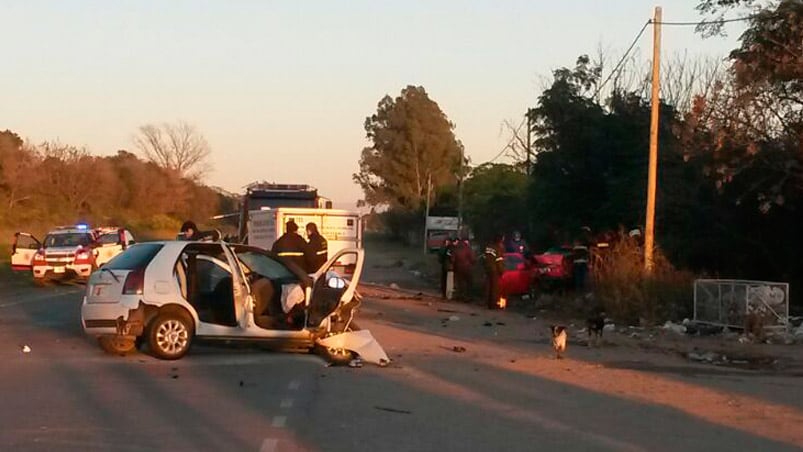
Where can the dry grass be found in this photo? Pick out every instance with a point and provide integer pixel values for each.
(628, 294)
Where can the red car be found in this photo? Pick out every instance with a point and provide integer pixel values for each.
(520, 276)
(556, 267)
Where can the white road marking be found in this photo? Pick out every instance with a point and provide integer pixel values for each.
(269, 445)
(287, 403)
(294, 385)
(279, 421)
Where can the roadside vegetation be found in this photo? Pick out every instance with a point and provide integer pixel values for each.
(151, 193)
(730, 181)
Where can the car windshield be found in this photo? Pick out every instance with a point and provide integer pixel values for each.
(134, 258)
(264, 265)
(110, 238)
(512, 261)
(68, 239)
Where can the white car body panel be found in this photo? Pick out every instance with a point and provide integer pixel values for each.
(104, 305)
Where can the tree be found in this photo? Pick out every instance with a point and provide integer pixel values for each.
(17, 169)
(495, 199)
(178, 147)
(412, 145)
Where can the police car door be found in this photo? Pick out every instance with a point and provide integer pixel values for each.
(23, 250)
(110, 244)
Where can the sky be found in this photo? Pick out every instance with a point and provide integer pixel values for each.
(281, 89)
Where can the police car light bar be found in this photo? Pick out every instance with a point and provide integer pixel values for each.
(82, 226)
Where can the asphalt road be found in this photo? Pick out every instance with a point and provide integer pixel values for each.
(504, 392)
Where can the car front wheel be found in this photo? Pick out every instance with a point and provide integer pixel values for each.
(170, 335)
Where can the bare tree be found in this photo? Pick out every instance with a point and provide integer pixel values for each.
(179, 147)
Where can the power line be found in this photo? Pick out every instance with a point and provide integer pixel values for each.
(709, 22)
(622, 60)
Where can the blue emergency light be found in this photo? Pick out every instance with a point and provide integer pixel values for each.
(82, 226)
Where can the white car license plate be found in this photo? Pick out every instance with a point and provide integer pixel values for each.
(98, 291)
(58, 269)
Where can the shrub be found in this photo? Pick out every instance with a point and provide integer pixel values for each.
(628, 294)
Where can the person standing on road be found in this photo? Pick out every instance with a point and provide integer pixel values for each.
(464, 260)
(291, 246)
(446, 258)
(317, 249)
(494, 260)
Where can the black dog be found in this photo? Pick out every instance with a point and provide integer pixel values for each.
(559, 340)
(595, 326)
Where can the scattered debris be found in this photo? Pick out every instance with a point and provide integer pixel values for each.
(448, 310)
(394, 286)
(454, 318)
(416, 273)
(458, 349)
(26, 349)
(674, 327)
(488, 324)
(609, 327)
(241, 383)
(500, 323)
(708, 357)
(356, 362)
(174, 377)
(392, 410)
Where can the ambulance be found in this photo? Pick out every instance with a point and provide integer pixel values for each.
(342, 229)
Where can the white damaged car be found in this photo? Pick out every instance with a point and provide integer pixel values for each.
(163, 295)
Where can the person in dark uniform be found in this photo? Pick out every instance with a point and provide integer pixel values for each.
(446, 259)
(189, 230)
(317, 249)
(494, 262)
(291, 246)
(464, 259)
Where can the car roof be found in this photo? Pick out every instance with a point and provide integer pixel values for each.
(70, 231)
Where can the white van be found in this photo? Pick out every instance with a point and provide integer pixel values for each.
(341, 228)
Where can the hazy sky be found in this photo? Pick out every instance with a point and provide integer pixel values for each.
(281, 89)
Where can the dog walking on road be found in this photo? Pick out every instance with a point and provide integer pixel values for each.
(559, 339)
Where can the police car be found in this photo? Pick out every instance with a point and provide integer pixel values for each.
(68, 252)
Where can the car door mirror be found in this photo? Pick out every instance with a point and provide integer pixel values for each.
(336, 282)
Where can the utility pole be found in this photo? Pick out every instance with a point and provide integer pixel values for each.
(460, 191)
(426, 217)
(529, 145)
(652, 177)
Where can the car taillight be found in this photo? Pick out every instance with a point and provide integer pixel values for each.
(134, 283)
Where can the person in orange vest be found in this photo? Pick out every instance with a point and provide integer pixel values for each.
(291, 246)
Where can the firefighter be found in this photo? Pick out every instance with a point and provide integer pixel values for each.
(189, 230)
(291, 246)
(494, 257)
(446, 258)
(317, 249)
(464, 260)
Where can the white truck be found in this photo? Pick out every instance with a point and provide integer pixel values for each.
(341, 228)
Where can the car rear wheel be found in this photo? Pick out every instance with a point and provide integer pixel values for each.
(170, 335)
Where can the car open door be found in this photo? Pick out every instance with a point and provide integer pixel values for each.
(330, 289)
(23, 250)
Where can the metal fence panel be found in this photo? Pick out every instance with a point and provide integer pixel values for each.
(727, 302)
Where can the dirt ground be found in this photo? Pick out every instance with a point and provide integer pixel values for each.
(414, 276)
